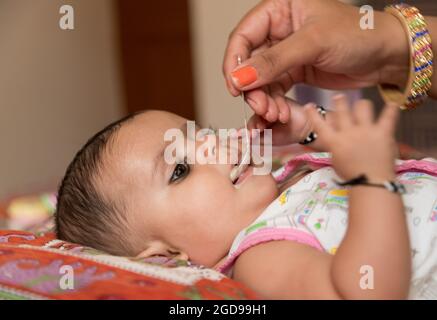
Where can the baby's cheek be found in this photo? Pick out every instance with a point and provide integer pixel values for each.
(210, 192)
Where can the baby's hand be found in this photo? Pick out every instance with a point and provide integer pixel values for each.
(359, 144)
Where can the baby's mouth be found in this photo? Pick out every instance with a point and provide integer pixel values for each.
(238, 173)
(242, 176)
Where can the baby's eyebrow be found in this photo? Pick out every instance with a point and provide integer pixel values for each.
(158, 162)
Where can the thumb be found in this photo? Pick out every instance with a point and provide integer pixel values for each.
(298, 50)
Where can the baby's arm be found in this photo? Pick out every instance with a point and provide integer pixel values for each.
(377, 235)
(287, 270)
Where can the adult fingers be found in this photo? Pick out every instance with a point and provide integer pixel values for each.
(250, 33)
(296, 51)
(257, 99)
(342, 117)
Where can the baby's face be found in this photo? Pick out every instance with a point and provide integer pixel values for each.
(196, 208)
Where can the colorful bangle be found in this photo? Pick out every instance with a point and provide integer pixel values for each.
(421, 59)
(313, 136)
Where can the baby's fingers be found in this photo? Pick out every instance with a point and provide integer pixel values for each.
(343, 115)
(388, 118)
(363, 112)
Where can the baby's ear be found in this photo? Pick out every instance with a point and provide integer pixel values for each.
(160, 248)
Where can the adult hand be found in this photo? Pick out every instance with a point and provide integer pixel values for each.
(294, 131)
(317, 42)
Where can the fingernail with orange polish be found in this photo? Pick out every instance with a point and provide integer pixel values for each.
(244, 76)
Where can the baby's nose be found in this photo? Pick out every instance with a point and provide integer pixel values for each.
(237, 147)
(226, 149)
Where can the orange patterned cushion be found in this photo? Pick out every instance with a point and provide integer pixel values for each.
(31, 267)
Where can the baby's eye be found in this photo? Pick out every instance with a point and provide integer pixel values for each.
(181, 170)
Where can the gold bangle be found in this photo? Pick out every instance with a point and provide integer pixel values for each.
(421, 59)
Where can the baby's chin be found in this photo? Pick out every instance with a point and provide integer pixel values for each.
(263, 189)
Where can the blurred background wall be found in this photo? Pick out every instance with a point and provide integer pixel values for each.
(59, 87)
(56, 87)
(211, 23)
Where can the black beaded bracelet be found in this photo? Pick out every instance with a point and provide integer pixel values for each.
(392, 186)
(313, 136)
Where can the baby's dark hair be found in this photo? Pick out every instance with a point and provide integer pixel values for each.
(84, 215)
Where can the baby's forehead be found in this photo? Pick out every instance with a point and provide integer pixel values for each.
(147, 128)
(134, 147)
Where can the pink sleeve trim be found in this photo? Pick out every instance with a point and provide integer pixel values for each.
(307, 157)
(425, 166)
(266, 235)
(418, 165)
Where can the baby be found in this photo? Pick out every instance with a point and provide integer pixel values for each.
(293, 234)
